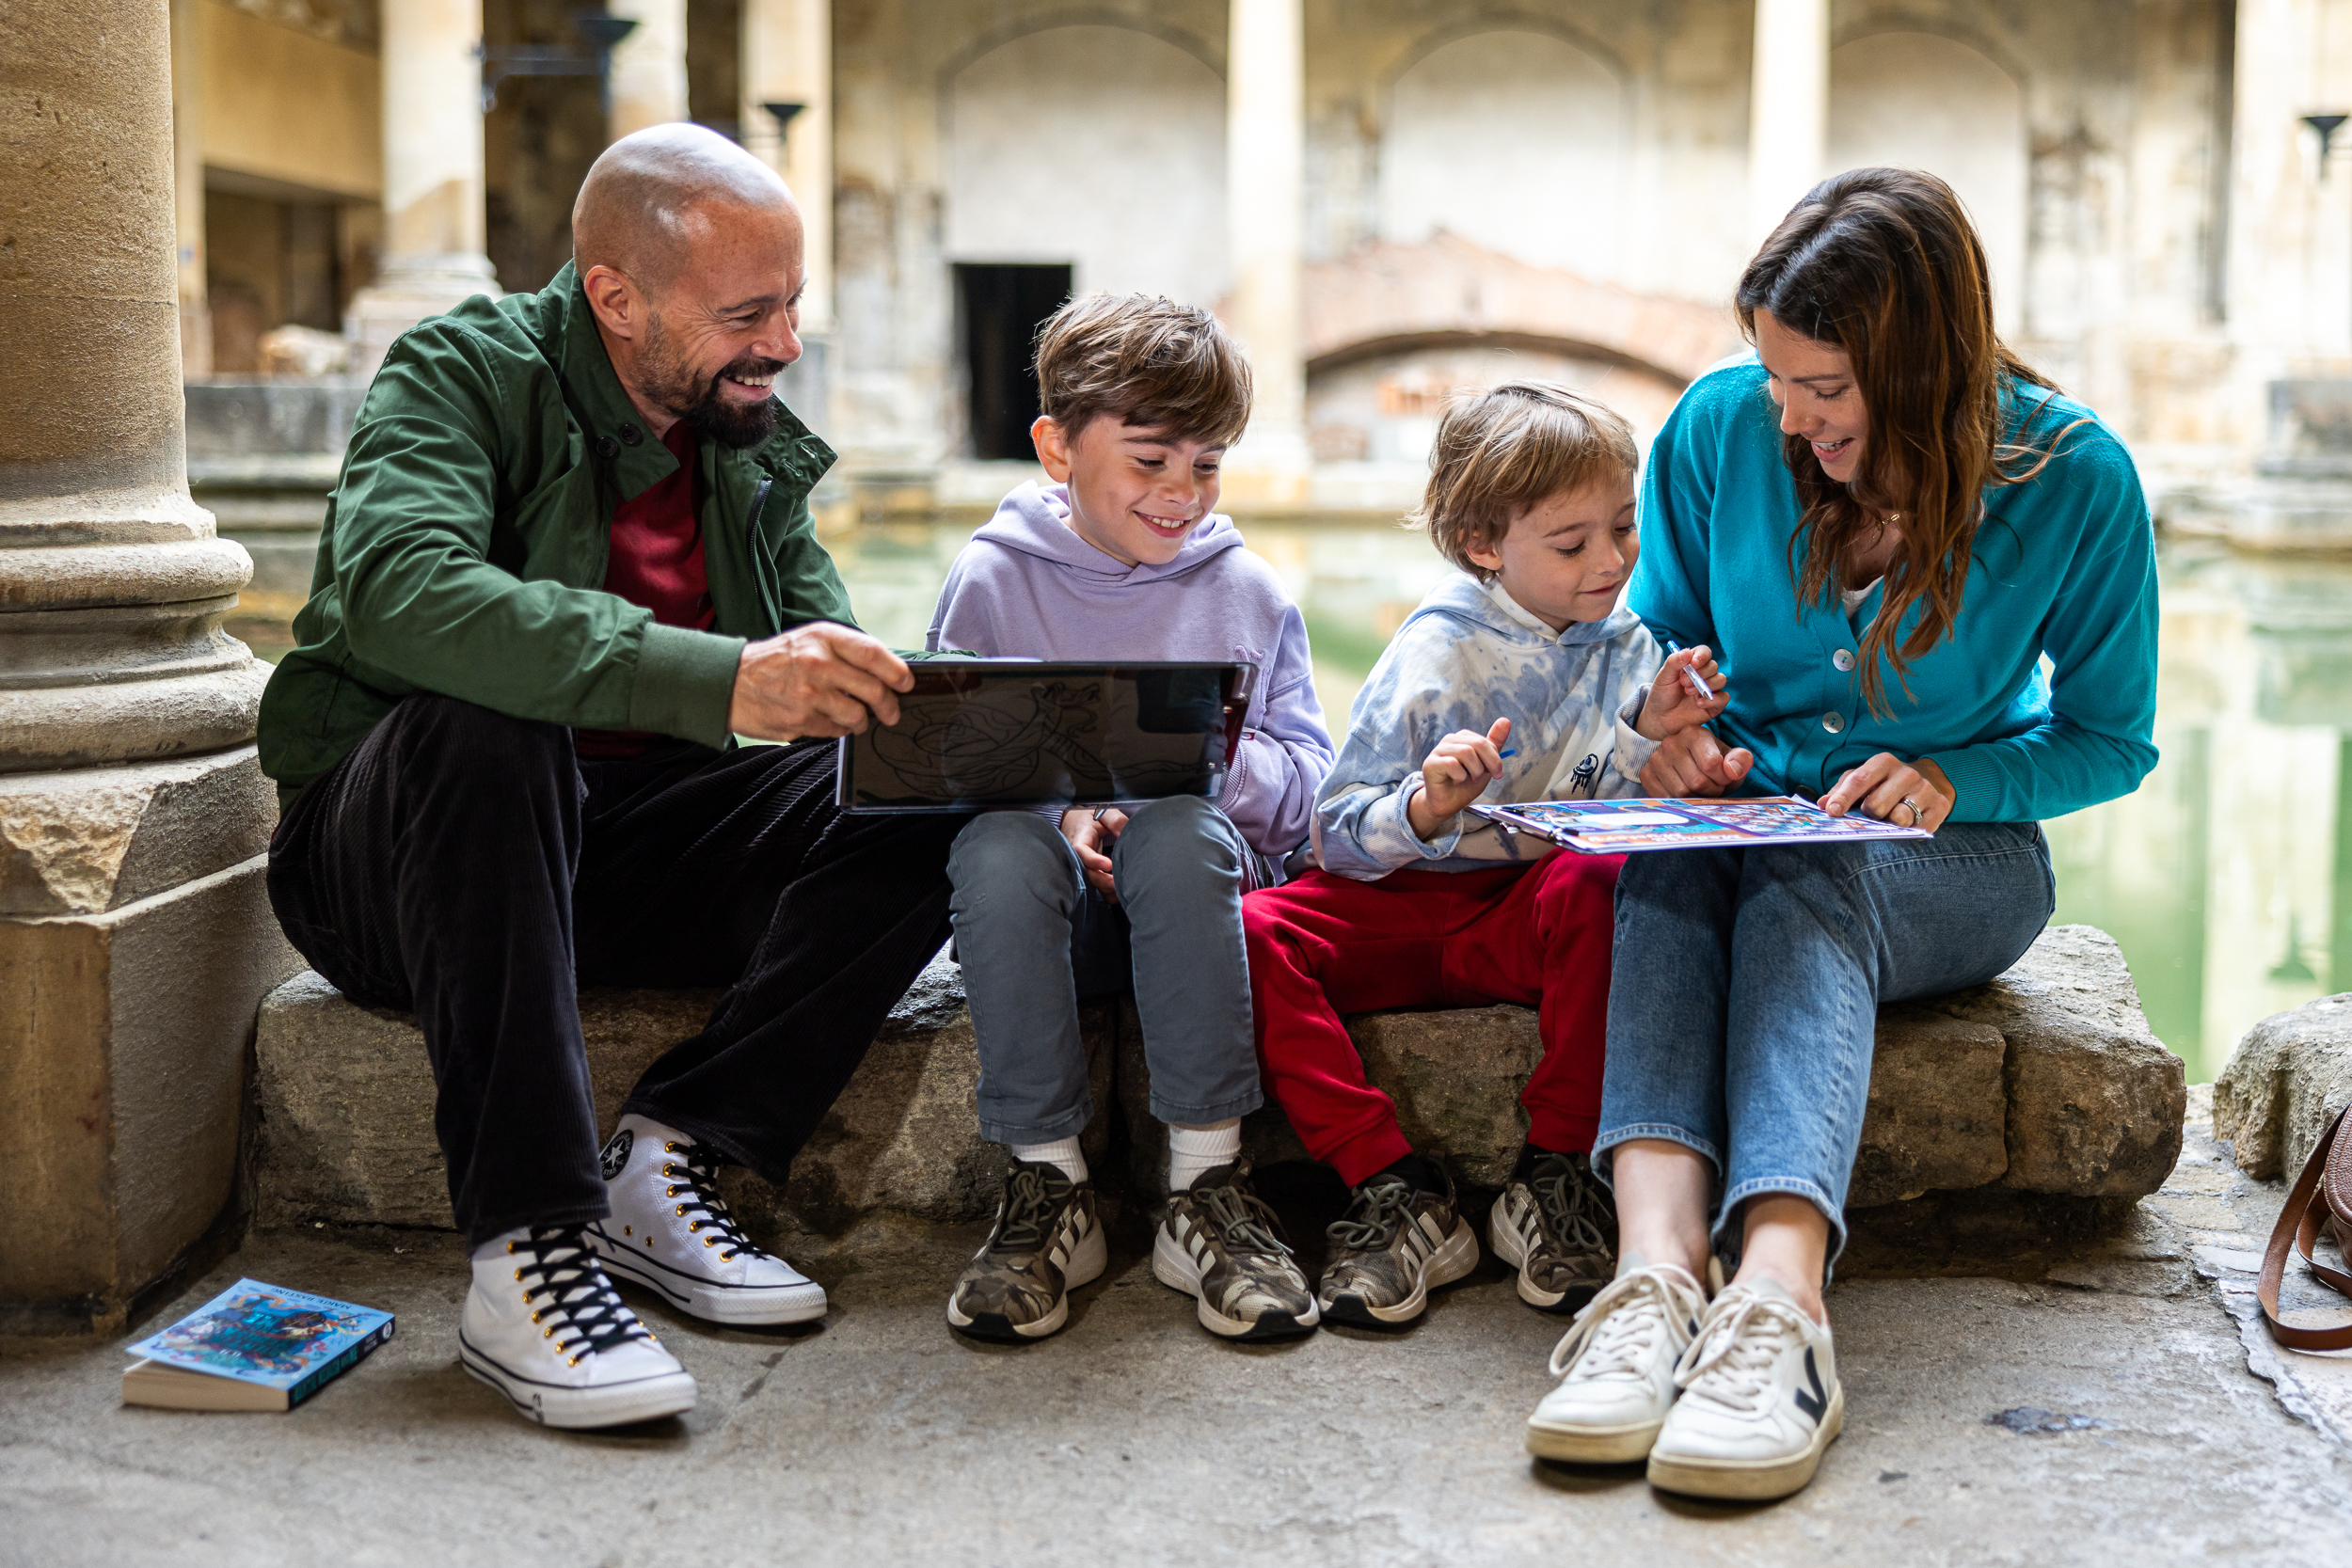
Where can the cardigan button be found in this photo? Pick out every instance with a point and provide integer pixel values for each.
(630, 434)
(608, 448)
(1843, 659)
(1833, 723)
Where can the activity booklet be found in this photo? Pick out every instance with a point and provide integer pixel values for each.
(253, 1347)
(1628, 827)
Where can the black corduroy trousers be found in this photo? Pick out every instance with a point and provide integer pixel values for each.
(469, 867)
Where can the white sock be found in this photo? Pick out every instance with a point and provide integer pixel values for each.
(1193, 1152)
(1062, 1152)
(497, 1244)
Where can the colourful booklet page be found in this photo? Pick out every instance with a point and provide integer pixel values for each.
(1628, 827)
(271, 1335)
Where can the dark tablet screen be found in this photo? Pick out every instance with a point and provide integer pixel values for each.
(1011, 733)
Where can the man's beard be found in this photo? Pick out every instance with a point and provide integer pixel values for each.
(682, 390)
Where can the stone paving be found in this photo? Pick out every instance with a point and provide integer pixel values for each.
(1135, 1438)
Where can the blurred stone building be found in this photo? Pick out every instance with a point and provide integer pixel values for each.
(1387, 198)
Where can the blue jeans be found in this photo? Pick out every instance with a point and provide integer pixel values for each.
(1743, 1001)
(1033, 939)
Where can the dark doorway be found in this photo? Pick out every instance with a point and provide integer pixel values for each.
(1003, 306)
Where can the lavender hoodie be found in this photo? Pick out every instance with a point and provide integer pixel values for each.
(1028, 586)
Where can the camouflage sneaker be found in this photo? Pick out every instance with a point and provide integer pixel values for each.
(1558, 1227)
(1221, 1245)
(1046, 1242)
(1392, 1248)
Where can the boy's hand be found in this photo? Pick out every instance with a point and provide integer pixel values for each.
(1694, 762)
(1672, 704)
(1090, 835)
(1456, 773)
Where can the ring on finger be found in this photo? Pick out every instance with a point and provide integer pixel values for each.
(1917, 816)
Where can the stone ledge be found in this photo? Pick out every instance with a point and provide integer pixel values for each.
(2290, 1074)
(2044, 1081)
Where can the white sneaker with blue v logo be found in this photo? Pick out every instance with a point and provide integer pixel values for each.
(1761, 1401)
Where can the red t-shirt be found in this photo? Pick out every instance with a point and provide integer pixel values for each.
(657, 560)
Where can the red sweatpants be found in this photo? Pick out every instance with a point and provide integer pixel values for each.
(1324, 946)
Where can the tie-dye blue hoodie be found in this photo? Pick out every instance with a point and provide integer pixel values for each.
(1467, 656)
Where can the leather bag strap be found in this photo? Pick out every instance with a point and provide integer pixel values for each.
(2306, 1210)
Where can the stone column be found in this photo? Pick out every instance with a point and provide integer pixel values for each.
(187, 157)
(135, 935)
(649, 81)
(1264, 181)
(433, 221)
(1787, 109)
(787, 59)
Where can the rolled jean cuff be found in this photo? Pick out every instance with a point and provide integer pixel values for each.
(1604, 1168)
(1067, 1125)
(1726, 1243)
(1240, 1105)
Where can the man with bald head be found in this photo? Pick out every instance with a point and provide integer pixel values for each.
(569, 561)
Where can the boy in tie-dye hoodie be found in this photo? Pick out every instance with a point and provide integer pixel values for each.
(1522, 679)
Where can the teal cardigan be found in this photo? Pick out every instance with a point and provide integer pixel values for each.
(2043, 700)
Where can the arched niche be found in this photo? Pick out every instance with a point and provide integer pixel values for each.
(1101, 147)
(1513, 139)
(1920, 101)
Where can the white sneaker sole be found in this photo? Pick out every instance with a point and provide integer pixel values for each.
(1591, 1445)
(1455, 1257)
(718, 1304)
(1750, 1479)
(1085, 1266)
(556, 1404)
(1173, 1267)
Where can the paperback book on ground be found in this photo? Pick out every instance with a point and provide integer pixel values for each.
(253, 1347)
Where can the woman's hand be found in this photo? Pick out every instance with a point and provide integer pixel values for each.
(1908, 794)
(1456, 773)
(1090, 833)
(1694, 762)
(1672, 704)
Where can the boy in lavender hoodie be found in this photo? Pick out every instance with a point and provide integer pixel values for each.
(1123, 558)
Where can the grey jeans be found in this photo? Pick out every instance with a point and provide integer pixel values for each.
(1744, 993)
(1034, 939)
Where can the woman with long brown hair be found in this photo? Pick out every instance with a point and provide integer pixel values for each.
(1884, 523)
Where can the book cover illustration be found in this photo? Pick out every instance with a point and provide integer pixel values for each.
(1628, 827)
(266, 1334)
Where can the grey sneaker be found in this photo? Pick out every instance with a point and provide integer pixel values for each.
(1046, 1242)
(1392, 1248)
(1221, 1245)
(1559, 1228)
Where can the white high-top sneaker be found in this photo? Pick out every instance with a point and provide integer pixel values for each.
(1760, 1400)
(672, 1232)
(543, 1327)
(1616, 1366)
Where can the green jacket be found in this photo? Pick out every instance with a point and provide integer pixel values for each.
(464, 548)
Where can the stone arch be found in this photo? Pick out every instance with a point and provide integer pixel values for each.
(1928, 101)
(1013, 114)
(1512, 135)
(1390, 328)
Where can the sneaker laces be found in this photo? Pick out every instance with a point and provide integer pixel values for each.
(1730, 1363)
(1030, 1200)
(1610, 1337)
(1245, 1222)
(1572, 1202)
(695, 1173)
(589, 1315)
(1371, 1221)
